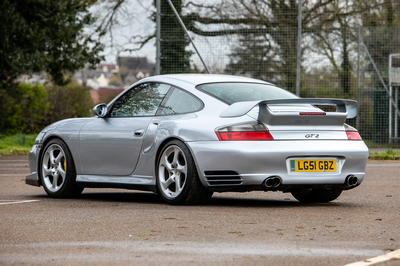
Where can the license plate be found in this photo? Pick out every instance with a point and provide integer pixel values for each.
(313, 165)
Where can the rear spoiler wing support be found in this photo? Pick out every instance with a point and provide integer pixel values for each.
(349, 107)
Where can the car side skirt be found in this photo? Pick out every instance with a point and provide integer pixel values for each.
(146, 183)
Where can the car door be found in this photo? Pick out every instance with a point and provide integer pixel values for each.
(111, 145)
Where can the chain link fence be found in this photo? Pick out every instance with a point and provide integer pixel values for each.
(378, 120)
(337, 59)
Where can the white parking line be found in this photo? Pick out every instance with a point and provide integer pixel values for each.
(17, 161)
(16, 201)
(392, 255)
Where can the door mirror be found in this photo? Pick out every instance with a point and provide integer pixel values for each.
(100, 110)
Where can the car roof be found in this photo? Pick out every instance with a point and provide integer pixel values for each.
(197, 79)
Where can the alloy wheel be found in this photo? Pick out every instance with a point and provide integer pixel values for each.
(54, 168)
(172, 171)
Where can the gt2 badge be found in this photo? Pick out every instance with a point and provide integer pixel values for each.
(312, 136)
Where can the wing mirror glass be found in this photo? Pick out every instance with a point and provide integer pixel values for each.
(100, 110)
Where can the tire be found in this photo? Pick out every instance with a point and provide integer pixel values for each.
(57, 172)
(177, 178)
(316, 195)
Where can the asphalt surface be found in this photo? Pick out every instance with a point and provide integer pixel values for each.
(126, 227)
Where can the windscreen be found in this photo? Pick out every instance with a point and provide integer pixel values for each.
(243, 92)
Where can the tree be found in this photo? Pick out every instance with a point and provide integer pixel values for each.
(267, 30)
(256, 51)
(340, 35)
(271, 24)
(333, 40)
(380, 35)
(46, 35)
(174, 57)
(24, 109)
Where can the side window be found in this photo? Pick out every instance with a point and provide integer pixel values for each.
(142, 100)
(180, 102)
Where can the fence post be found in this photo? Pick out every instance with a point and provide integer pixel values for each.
(358, 77)
(158, 36)
(390, 104)
(298, 51)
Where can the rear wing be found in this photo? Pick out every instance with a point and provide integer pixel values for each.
(241, 108)
(344, 109)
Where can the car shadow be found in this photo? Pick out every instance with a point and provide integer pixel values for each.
(222, 201)
(140, 197)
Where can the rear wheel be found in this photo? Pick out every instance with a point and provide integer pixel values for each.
(58, 173)
(316, 195)
(177, 178)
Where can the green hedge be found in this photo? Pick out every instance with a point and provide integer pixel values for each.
(16, 144)
(29, 108)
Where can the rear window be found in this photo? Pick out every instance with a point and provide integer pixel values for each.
(243, 92)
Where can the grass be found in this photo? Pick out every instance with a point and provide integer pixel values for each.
(20, 144)
(389, 154)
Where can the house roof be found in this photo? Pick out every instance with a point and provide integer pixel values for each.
(133, 63)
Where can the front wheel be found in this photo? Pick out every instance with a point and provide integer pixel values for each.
(58, 173)
(316, 195)
(177, 178)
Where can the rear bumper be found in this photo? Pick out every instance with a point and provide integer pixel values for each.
(255, 161)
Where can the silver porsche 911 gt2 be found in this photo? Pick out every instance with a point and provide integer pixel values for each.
(187, 136)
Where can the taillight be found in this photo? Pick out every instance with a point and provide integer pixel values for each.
(257, 135)
(243, 132)
(353, 135)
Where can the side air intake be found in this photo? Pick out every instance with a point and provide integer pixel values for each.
(223, 178)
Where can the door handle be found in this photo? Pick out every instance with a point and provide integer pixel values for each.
(138, 133)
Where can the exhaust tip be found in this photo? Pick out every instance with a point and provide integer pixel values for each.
(272, 182)
(351, 180)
